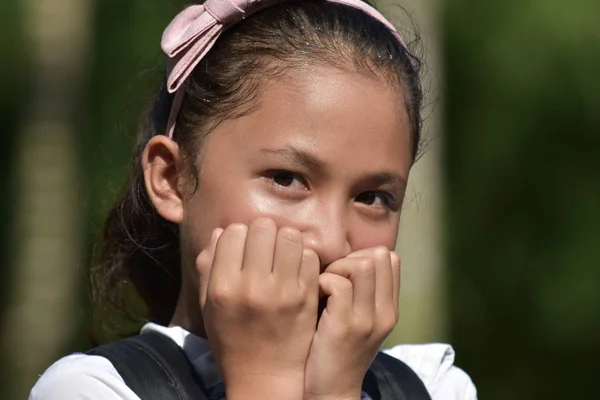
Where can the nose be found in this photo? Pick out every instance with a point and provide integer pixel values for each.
(328, 235)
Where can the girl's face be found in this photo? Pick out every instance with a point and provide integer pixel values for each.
(325, 151)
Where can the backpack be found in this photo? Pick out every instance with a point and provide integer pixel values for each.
(156, 368)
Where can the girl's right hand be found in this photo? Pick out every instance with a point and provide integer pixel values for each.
(259, 299)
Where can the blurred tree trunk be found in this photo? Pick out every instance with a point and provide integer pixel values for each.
(47, 237)
(423, 313)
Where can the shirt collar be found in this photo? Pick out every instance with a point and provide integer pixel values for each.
(196, 349)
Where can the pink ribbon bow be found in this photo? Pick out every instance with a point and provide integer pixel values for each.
(194, 31)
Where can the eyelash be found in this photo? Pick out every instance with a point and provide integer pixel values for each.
(387, 199)
(273, 176)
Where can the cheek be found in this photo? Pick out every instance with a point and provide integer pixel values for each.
(220, 206)
(256, 202)
(367, 235)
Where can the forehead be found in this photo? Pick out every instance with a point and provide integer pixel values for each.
(337, 115)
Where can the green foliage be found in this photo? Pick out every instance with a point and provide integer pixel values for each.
(522, 176)
(126, 70)
(12, 88)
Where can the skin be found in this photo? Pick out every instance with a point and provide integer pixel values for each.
(296, 201)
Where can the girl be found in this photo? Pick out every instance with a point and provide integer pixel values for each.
(263, 208)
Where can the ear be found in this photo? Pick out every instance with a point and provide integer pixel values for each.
(161, 163)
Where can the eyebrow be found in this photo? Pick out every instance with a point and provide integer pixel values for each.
(393, 181)
(296, 155)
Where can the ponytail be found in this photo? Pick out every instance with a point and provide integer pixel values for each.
(139, 253)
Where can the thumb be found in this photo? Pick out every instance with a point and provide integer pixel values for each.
(204, 263)
(339, 293)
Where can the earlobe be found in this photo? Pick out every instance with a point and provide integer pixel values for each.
(161, 166)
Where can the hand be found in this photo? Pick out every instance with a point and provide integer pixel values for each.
(259, 300)
(361, 311)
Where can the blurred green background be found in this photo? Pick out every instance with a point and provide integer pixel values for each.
(519, 111)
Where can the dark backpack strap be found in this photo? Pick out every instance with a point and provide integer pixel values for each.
(391, 379)
(154, 367)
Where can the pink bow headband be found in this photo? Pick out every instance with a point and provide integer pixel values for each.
(193, 32)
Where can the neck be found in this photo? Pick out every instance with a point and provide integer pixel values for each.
(187, 311)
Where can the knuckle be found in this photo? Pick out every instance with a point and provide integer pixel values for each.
(381, 253)
(220, 295)
(291, 235)
(263, 224)
(291, 301)
(387, 319)
(236, 229)
(202, 260)
(309, 255)
(364, 328)
(344, 285)
(255, 297)
(393, 312)
(388, 324)
(395, 259)
(365, 266)
(308, 287)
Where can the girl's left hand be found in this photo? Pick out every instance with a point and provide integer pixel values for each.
(361, 311)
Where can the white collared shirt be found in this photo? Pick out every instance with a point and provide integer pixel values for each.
(81, 376)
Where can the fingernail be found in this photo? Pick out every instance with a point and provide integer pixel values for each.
(215, 234)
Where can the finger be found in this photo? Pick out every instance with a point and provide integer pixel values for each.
(288, 256)
(309, 274)
(396, 278)
(229, 254)
(361, 271)
(204, 263)
(368, 252)
(260, 246)
(340, 295)
(384, 286)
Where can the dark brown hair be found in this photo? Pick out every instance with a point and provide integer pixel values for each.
(140, 250)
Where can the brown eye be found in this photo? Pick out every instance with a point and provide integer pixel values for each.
(367, 198)
(377, 199)
(287, 180)
(283, 178)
